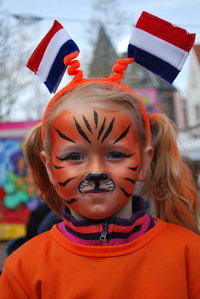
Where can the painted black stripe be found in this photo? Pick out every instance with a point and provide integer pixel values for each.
(102, 128)
(87, 124)
(63, 184)
(81, 132)
(71, 201)
(109, 130)
(130, 180)
(96, 119)
(64, 136)
(122, 135)
(133, 168)
(57, 167)
(126, 193)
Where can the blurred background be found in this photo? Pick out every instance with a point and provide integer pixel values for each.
(101, 29)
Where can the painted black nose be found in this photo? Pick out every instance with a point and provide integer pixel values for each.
(96, 177)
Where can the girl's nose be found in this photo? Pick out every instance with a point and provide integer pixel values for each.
(96, 165)
(96, 177)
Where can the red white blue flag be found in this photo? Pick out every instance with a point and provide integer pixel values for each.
(160, 46)
(47, 60)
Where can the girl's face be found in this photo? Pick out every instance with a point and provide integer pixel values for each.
(95, 160)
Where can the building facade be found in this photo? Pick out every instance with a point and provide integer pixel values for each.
(193, 102)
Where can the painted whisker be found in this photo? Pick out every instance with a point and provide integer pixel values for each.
(126, 193)
(71, 201)
(130, 180)
(57, 167)
(133, 168)
(63, 184)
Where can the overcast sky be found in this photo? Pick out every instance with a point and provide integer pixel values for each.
(184, 13)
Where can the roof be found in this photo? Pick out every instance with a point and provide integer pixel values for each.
(104, 56)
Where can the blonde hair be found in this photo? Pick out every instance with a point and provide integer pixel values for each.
(32, 148)
(169, 185)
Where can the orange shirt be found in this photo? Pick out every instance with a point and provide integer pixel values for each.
(164, 263)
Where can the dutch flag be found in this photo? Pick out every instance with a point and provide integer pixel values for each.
(160, 46)
(47, 59)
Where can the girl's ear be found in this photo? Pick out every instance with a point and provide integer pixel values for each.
(47, 163)
(147, 158)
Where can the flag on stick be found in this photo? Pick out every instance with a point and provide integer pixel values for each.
(47, 60)
(160, 46)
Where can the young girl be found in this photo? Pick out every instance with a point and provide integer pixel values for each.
(95, 142)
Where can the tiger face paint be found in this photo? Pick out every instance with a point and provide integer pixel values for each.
(95, 160)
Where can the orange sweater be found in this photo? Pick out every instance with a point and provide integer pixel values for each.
(163, 263)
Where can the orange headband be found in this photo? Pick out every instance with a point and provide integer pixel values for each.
(113, 79)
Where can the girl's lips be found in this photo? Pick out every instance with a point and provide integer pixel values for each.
(96, 191)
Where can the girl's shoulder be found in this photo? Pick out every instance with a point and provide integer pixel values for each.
(177, 234)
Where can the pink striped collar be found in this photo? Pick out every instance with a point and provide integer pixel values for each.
(108, 232)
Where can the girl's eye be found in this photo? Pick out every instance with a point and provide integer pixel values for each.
(117, 155)
(72, 157)
(75, 156)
